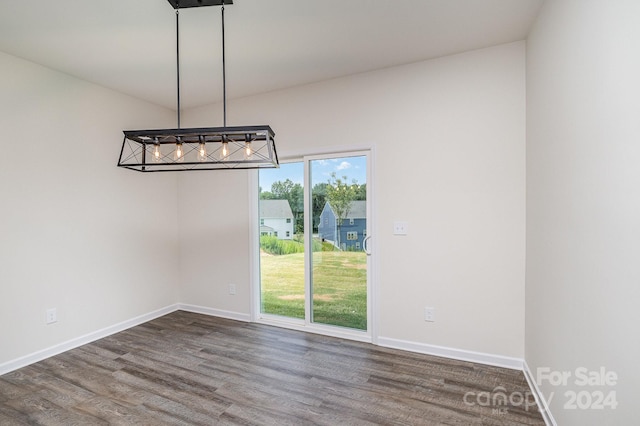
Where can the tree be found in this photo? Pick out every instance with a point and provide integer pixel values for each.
(361, 192)
(340, 195)
(265, 195)
(281, 190)
(318, 200)
(296, 201)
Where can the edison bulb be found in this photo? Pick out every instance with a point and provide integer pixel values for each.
(178, 155)
(248, 152)
(157, 155)
(202, 152)
(224, 151)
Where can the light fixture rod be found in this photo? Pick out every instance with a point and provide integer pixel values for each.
(224, 76)
(178, 61)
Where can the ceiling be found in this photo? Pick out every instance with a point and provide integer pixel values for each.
(130, 45)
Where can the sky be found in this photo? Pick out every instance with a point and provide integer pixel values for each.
(351, 167)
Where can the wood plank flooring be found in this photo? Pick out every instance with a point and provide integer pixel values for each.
(191, 369)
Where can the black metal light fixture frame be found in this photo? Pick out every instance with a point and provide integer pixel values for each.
(206, 148)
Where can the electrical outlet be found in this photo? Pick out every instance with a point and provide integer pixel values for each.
(232, 289)
(429, 314)
(51, 316)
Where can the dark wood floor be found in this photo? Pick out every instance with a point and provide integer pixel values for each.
(190, 369)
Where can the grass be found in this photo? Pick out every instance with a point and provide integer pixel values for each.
(274, 245)
(339, 287)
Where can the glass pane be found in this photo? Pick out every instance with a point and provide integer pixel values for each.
(339, 264)
(282, 241)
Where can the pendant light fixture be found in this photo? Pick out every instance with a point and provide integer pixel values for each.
(206, 148)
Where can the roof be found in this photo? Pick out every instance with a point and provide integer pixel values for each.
(264, 228)
(358, 210)
(275, 208)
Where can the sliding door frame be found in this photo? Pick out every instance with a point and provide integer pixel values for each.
(371, 334)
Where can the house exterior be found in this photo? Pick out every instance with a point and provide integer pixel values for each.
(276, 219)
(353, 230)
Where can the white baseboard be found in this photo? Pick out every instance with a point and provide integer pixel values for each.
(540, 399)
(214, 312)
(83, 340)
(459, 354)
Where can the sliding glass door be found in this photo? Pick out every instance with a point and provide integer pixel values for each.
(339, 262)
(314, 229)
(282, 248)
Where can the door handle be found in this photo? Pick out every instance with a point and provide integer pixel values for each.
(365, 248)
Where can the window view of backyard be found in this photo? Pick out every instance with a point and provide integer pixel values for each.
(339, 264)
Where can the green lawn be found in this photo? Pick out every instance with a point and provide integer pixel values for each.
(339, 284)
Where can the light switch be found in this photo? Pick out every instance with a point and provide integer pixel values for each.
(400, 228)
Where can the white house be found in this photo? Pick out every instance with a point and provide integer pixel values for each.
(276, 218)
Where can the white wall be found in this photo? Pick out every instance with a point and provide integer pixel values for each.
(96, 242)
(583, 201)
(449, 136)
(101, 244)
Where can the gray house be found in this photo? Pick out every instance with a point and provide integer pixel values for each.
(353, 230)
(276, 219)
